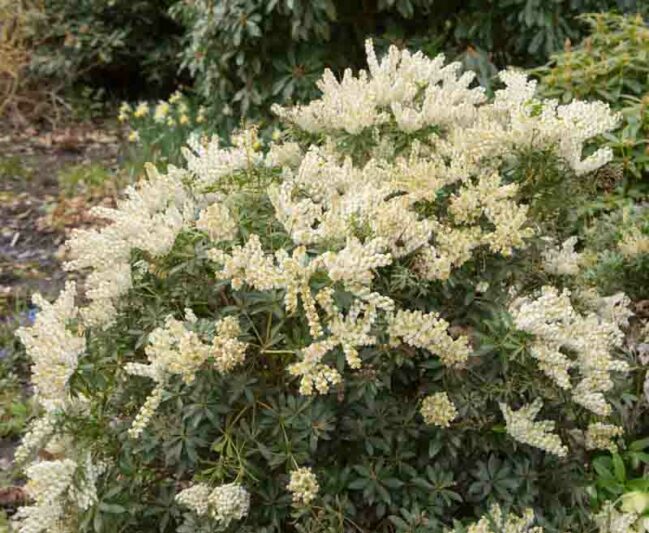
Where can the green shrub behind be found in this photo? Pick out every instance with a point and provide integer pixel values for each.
(610, 64)
(243, 55)
(121, 46)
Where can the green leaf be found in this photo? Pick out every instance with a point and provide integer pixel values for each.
(112, 508)
(358, 484)
(618, 468)
(639, 445)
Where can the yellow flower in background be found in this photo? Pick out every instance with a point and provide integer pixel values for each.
(171, 122)
(182, 108)
(134, 136)
(142, 110)
(175, 97)
(200, 117)
(183, 119)
(161, 111)
(124, 111)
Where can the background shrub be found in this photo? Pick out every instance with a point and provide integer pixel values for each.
(610, 64)
(242, 55)
(119, 46)
(248, 53)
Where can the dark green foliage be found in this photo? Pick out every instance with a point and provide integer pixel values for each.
(243, 55)
(247, 54)
(122, 46)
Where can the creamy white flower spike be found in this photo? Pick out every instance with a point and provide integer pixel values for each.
(217, 221)
(563, 260)
(36, 437)
(559, 330)
(522, 427)
(149, 219)
(430, 332)
(599, 436)
(53, 347)
(176, 350)
(411, 89)
(209, 162)
(495, 521)
(415, 92)
(57, 488)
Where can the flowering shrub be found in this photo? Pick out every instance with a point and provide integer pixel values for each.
(362, 327)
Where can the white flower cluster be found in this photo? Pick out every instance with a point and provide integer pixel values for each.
(172, 349)
(559, 329)
(217, 221)
(438, 410)
(490, 198)
(428, 331)
(495, 521)
(287, 154)
(315, 376)
(599, 436)
(175, 350)
(149, 219)
(36, 437)
(522, 427)
(195, 498)
(526, 122)
(227, 350)
(303, 484)
(84, 491)
(250, 265)
(48, 484)
(209, 162)
(355, 263)
(350, 332)
(562, 261)
(224, 503)
(53, 348)
(414, 92)
(52, 487)
(229, 502)
(328, 202)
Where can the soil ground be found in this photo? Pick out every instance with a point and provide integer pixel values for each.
(35, 214)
